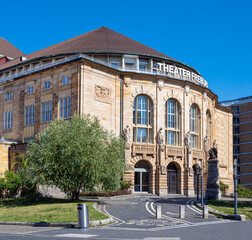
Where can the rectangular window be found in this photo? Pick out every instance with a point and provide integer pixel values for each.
(30, 90)
(46, 85)
(29, 115)
(65, 80)
(193, 141)
(143, 65)
(65, 107)
(142, 135)
(46, 112)
(115, 64)
(8, 95)
(8, 116)
(171, 137)
(43, 113)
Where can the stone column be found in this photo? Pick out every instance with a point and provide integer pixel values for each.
(4, 155)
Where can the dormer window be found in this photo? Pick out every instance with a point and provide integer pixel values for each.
(115, 64)
(143, 65)
(130, 63)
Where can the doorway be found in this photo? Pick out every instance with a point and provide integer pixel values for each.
(142, 177)
(172, 178)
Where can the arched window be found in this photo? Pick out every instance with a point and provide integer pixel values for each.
(142, 119)
(172, 122)
(195, 126)
(208, 128)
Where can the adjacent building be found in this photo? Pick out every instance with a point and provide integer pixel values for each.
(242, 137)
(169, 116)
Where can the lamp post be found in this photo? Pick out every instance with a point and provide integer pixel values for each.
(197, 182)
(202, 197)
(235, 186)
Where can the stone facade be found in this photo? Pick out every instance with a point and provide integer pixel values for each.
(155, 163)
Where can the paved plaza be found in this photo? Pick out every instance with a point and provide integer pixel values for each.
(135, 218)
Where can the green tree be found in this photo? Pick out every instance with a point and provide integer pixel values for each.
(77, 154)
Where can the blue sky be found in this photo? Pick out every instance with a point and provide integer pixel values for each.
(214, 37)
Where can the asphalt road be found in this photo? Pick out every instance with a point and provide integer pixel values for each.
(135, 219)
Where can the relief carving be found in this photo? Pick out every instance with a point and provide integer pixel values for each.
(102, 94)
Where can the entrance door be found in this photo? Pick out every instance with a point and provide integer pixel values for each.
(142, 180)
(172, 178)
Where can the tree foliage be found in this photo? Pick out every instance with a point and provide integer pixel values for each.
(28, 181)
(77, 154)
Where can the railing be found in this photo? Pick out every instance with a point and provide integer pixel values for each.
(145, 149)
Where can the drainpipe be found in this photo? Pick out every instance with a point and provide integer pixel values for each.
(121, 103)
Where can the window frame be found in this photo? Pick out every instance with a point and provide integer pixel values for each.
(195, 126)
(143, 119)
(47, 85)
(173, 122)
(65, 80)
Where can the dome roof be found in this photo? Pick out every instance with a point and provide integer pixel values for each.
(101, 40)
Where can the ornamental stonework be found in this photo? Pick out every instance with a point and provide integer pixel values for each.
(102, 94)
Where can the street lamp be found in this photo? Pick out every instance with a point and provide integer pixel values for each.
(197, 182)
(202, 197)
(235, 186)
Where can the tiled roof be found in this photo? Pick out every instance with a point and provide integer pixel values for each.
(101, 40)
(7, 49)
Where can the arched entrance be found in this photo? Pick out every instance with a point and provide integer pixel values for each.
(172, 178)
(142, 177)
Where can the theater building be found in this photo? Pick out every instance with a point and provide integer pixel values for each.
(164, 107)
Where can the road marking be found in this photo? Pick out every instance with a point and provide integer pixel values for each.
(71, 235)
(161, 238)
(170, 218)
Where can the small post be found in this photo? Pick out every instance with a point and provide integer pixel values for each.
(197, 183)
(158, 212)
(205, 211)
(202, 195)
(83, 218)
(181, 211)
(235, 186)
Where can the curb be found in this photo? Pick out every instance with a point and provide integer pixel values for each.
(236, 217)
(66, 224)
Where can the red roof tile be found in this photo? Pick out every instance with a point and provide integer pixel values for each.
(8, 50)
(97, 41)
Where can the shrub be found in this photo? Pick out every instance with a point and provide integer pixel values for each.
(104, 194)
(223, 188)
(125, 184)
(243, 192)
(9, 185)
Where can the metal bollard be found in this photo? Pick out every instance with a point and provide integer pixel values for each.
(182, 211)
(205, 211)
(158, 212)
(82, 211)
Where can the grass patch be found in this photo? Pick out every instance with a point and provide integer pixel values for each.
(45, 210)
(244, 208)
